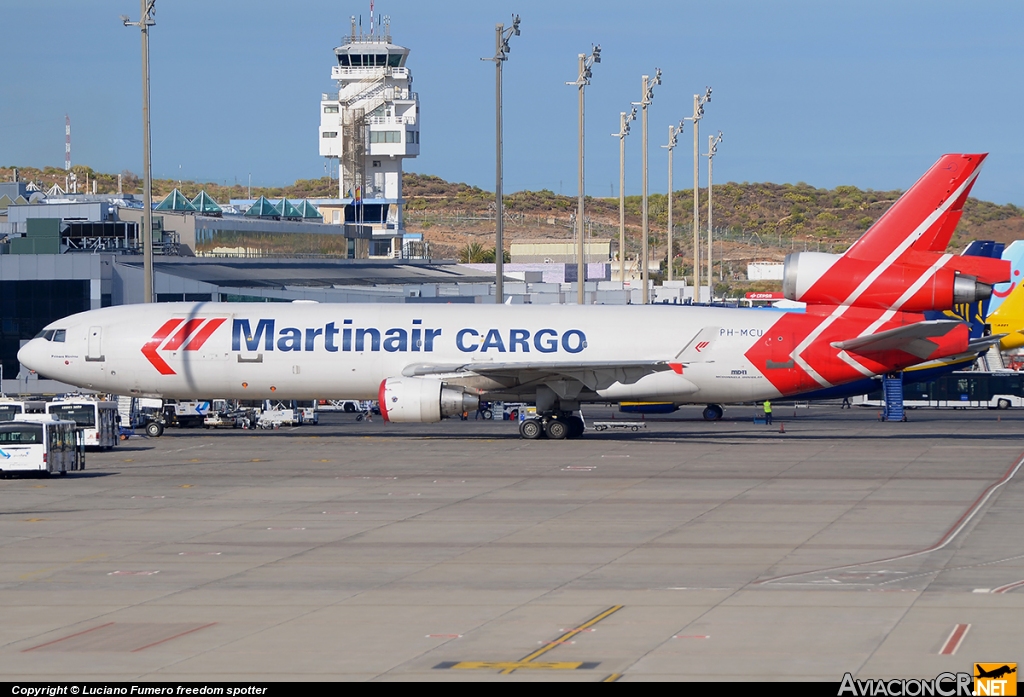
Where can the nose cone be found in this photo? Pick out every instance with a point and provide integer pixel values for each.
(31, 354)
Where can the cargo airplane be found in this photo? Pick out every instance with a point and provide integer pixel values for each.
(423, 363)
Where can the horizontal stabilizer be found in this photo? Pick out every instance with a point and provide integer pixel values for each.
(984, 343)
(912, 339)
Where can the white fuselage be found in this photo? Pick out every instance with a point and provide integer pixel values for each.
(344, 351)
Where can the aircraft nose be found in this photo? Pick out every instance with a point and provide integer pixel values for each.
(30, 355)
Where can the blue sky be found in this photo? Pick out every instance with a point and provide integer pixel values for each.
(864, 93)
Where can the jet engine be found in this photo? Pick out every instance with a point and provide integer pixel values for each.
(831, 279)
(422, 400)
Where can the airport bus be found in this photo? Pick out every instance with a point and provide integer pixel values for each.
(40, 443)
(97, 420)
(961, 390)
(9, 408)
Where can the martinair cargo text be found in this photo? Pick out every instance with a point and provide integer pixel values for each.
(426, 362)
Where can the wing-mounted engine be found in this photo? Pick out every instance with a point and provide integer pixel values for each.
(421, 400)
(918, 282)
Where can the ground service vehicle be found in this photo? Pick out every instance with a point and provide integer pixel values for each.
(9, 408)
(40, 443)
(97, 420)
(864, 317)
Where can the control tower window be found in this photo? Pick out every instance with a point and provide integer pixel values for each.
(343, 60)
(331, 109)
(394, 60)
(385, 136)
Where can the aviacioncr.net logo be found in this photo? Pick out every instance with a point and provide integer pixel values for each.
(179, 334)
(943, 685)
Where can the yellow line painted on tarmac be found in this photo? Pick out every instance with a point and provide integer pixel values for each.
(568, 635)
(35, 520)
(529, 661)
(185, 486)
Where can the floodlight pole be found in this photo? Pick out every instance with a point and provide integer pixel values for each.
(713, 142)
(698, 113)
(673, 131)
(648, 97)
(147, 9)
(501, 50)
(582, 80)
(624, 120)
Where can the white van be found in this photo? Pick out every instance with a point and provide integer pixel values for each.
(40, 443)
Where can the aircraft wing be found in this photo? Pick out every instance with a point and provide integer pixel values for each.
(912, 338)
(595, 375)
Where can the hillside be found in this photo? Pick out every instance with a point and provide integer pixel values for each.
(753, 221)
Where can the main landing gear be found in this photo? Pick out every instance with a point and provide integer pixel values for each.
(556, 426)
(713, 412)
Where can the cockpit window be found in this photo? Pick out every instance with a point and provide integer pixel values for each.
(52, 335)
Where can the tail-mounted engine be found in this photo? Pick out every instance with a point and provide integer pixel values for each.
(925, 281)
(422, 400)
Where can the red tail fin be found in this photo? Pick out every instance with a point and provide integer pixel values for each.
(928, 212)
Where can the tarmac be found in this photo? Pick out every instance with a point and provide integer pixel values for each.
(687, 550)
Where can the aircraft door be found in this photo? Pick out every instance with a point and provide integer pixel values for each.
(95, 350)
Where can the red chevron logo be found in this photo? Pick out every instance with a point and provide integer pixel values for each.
(191, 333)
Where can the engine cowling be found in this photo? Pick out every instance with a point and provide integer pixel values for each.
(830, 279)
(422, 400)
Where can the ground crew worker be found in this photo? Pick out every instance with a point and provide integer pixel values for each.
(768, 412)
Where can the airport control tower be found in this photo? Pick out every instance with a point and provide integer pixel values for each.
(369, 126)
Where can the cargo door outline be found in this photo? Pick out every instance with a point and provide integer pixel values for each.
(780, 350)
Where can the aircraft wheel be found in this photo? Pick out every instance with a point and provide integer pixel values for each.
(154, 429)
(713, 412)
(531, 429)
(557, 429)
(487, 414)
